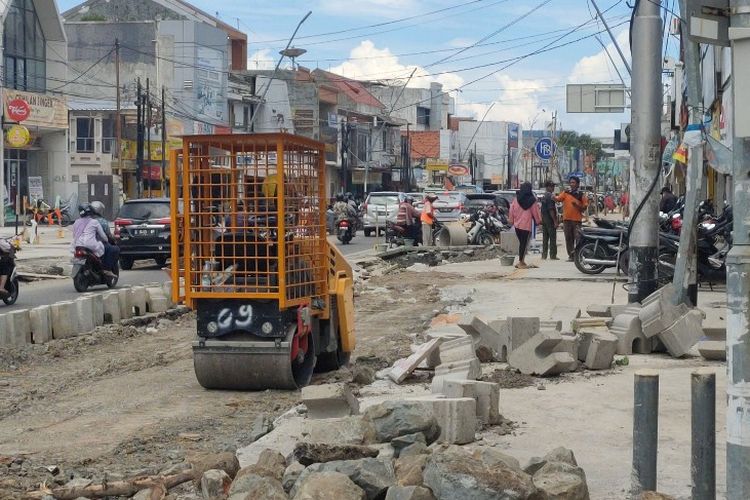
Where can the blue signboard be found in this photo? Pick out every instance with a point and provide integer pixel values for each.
(545, 148)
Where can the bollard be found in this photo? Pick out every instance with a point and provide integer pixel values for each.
(645, 431)
(703, 450)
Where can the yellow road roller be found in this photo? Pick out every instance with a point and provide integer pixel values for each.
(274, 300)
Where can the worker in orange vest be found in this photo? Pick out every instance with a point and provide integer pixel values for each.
(428, 218)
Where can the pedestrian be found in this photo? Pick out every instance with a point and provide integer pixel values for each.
(574, 207)
(668, 200)
(550, 221)
(625, 204)
(609, 204)
(428, 219)
(524, 212)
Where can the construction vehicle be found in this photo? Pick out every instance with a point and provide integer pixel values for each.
(250, 255)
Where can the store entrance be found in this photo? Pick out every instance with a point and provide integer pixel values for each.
(16, 181)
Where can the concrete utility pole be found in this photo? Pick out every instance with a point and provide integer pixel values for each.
(645, 164)
(686, 267)
(738, 268)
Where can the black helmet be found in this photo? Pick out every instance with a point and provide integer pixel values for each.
(84, 210)
(339, 197)
(408, 199)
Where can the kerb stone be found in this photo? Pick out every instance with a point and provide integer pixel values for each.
(627, 328)
(17, 331)
(537, 356)
(85, 311)
(683, 333)
(457, 417)
(469, 369)
(111, 307)
(41, 324)
(713, 350)
(403, 367)
(659, 312)
(139, 300)
(98, 308)
(600, 349)
(329, 401)
(566, 315)
(64, 316)
(157, 302)
(126, 306)
(486, 395)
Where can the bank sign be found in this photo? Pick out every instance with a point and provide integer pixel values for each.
(36, 110)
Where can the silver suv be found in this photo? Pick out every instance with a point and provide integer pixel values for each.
(380, 206)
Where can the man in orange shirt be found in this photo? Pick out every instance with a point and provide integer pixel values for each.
(574, 204)
(428, 219)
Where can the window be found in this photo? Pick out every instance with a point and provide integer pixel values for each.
(24, 47)
(108, 135)
(423, 115)
(84, 135)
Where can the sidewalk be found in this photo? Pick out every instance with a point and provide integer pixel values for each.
(50, 246)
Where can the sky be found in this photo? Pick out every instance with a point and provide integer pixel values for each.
(511, 57)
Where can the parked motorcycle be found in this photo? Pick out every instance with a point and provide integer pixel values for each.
(484, 228)
(598, 248)
(398, 234)
(345, 231)
(88, 271)
(8, 248)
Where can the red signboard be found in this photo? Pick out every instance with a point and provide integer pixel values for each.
(458, 170)
(18, 110)
(152, 172)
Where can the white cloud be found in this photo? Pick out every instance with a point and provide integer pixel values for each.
(592, 69)
(261, 59)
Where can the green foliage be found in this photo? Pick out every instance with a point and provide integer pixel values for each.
(91, 16)
(571, 139)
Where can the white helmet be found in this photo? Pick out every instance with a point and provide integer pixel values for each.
(98, 208)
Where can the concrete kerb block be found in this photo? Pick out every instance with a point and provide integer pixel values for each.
(64, 317)
(124, 296)
(483, 335)
(659, 312)
(139, 300)
(329, 401)
(111, 307)
(98, 305)
(486, 395)
(579, 324)
(569, 343)
(403, 367)
(598, 310)
(715, 333)
(509, 242)
(17, 329)
(469, 369)
(166, 288)
(457, 417)
(565, 315)
(459, 349)
(713, 350)
(551, 324)
(4, 327)
(683, 333)
(627, 328)
(41, 324)
(156, 301)
(85, 311)
(537, 356)
(600, 349)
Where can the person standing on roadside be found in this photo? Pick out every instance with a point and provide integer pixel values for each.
(574, 207)
(428, 219)
(524, 212)
(550, 222)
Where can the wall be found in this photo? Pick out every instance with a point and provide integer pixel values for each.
(491, 141)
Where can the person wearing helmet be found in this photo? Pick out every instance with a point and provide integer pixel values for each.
(428, 218)
(88, 233)
(408, 217)
(111, 250)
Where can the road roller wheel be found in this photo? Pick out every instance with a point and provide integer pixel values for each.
(247, 363)
(332, 361)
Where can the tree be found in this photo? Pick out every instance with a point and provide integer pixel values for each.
(571, 139)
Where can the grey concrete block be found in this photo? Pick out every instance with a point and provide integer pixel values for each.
(457, 417)
(713, 350)
(403, 367)
(600, 349)
(329, 401)
(126, 306)
(598, 310)
(17, 329)
(715, 333)
(139, 300)
(486, 395)
(483, 334)
(85, 311)
(659, 312)
(459, 349)
(509, 242)
(469, 369)
(550, 324)
(537, 357)
(566, 315)
(579, 324)
(98, 308)
(569, 343)
(111, 307)
(156, 300)
(166, 289)
(41, 324)
(683, 333)
(627, 328)
(64, 316)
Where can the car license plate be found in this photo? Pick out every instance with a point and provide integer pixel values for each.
(445, 210)
(144, 232)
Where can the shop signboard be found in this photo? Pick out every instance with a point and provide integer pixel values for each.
(36, 189)
(18, 136)
(434, 165)
(43, 110)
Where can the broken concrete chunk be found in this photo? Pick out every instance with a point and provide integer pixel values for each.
(683, 334)
(391, 419)
(713, 350)
(537, 356)
(403, 367)
(598, 349)
(469, 369)
(486, 395)
(329, 401)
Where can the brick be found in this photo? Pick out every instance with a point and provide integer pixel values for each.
(403, 367)
(537, 356)
(126, 307)
(713, 350)
(599, 348)
(486, 395)
(139, 300)
(41, 324)
(329, 401)
(469, 369)
(156, 301)
(457, 417)
(659, 312)
(85, 311)
(683, 333)
(17, 329)
(111, 307)
(627, 328)
(566, 315)
(64, 316)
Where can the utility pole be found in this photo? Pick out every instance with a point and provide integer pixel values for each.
(645, 164)
(148, 133)
(118, 118)
(163, 143)
(738, 269)
(686, 272)
(139, 142)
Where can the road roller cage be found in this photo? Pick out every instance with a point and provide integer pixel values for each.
(249, 210)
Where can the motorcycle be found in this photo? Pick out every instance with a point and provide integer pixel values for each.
(8, 248)
(397, 234)
(484, 228)
(344, 231)
(598, 248)
(88, 271)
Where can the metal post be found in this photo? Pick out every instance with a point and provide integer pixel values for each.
(645, 431)
(614, 40)
(646, 159)
(2, 157)
(118, 111)
(139, 143)
(164, 183)
(738, 283)
(703, 419)
(147, 119)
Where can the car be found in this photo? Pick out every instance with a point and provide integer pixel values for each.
(449, 205)
(143, 231)
(505, 197)
(481, 201)
(469, 189)
(378, 207)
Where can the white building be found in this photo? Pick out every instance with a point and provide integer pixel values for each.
(495, 142)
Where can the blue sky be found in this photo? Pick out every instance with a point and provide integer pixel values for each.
(388, 39)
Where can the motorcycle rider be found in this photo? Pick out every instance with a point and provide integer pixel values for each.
(88, 233)
(7, 256)
(343, 210)
(97, 208)
(407, 217)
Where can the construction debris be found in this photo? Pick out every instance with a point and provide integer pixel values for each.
(537, 356)
(329, 401)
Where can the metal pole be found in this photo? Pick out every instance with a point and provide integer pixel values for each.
(148, 132)
(139, 143)
(118, 119)
(703, 419)
(163, 143)
(645, 431)
(646, 159)
(685, 272)
(738, 285)
(614, 40)
(2, 159)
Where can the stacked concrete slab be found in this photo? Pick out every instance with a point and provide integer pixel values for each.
(486, 395)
